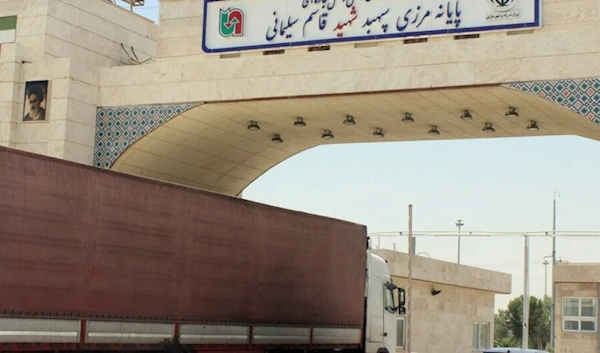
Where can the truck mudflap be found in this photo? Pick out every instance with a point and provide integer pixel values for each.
(20, 334)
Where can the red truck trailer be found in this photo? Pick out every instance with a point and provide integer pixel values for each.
(95, 260)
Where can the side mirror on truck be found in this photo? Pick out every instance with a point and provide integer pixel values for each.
(391, 286)
(401, 301)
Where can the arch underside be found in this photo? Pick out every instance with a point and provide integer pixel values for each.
(210, 147)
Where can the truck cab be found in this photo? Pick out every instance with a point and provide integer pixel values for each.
(384, 300)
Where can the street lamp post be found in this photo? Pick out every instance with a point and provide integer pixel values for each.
(409, 300)
(546, 262)
(459, 224)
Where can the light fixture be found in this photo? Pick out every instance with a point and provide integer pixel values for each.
(277, 139)
(327, 135)
(466, 115)
(299, 122)
(349, 120)
(253, 125)
(512, 113)
(378, 132)
(408, 118)
(434, 130)
(488, 128)
(533, 126)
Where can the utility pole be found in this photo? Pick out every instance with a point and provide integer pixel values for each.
(459, 224)
(526, 296)
(553, 308)
(409, 304)
(554, 228)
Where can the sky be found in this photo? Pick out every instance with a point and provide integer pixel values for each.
(492, 185)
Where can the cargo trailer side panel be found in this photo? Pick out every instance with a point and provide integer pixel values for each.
(79, 241)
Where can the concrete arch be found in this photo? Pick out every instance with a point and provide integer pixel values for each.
(209, 146)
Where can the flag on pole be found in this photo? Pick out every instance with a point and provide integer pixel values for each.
(8, 29)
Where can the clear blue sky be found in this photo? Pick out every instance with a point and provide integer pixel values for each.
(491, 184)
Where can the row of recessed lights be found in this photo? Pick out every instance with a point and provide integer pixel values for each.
(511, 113)
(466, 115)
(327, 134)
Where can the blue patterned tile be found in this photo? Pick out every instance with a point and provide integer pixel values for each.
(581, 96)
(117, 128)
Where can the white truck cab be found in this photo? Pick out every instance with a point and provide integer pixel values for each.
(383, 300)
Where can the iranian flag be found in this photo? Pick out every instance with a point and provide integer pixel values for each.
(8, 29)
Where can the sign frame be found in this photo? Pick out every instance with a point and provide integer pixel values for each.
(536, 23)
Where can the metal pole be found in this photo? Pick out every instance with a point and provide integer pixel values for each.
(526, 296)
(459, 224)
(409, 297)
(546, 262)
(554, 228)
(553, 307)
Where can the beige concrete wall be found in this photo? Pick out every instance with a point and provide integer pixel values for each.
(569, 342)
(444, 322)
(9, 98)
(13, 7)
(576, 273)
(30, 26)
(69, 129)
(180, 28)
(65, 42)
(92, 31)
(448, 273)
(567, 47)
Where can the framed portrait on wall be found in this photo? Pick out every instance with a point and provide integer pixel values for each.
(36, 101)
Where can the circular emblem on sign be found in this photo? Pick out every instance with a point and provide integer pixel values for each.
(503, 5)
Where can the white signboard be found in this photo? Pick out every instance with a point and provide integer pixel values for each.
(238, 25)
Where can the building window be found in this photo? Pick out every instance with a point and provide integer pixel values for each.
(579, 314)
(481, 335)
(400, 332)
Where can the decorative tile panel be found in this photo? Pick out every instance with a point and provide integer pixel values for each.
(581, 96)
(117, 128)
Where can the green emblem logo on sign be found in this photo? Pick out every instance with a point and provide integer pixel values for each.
(231, 23)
